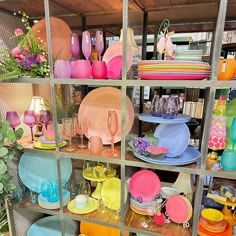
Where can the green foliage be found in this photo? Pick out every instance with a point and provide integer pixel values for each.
(8, 149)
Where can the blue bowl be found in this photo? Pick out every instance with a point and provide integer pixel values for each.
(228, 160)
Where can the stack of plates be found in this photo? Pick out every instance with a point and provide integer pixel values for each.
(173, 70)
(44, 203)
(44, 143)
(191, 55)
(141, 207)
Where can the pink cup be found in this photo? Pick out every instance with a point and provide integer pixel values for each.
(82, 69)
(99, 70)
(95, 145)
(62, 69)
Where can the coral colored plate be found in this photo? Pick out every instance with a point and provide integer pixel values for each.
(178, 209)
(228, 231)
(216, 228)
(144, 185)
(90, 229)
(93, 113)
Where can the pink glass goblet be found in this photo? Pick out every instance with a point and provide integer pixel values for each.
(30, 120)
(62, 69)
(75, 45)
(86, 44)
(99, 45)
(45, 117)
(99, 70)
(13, 118)
(83, 69)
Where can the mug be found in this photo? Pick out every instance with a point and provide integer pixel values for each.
(95, 145)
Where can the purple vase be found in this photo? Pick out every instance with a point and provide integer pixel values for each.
(62, 69)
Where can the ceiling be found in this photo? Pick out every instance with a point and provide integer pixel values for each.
(184, 15)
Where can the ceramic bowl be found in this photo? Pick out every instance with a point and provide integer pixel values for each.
(212, 216)
(157, 152)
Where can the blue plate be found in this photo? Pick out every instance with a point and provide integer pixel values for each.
(190, 155)
(51, 226)
(181, 118)
(36, 168)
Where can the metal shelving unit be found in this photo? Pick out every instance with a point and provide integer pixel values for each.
(199, 170)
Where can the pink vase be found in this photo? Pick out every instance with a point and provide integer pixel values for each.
(99, 70)
(82, 69)
(62, 69)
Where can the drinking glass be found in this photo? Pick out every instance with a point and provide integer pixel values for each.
(112, 124)
(68, 131)
(30, 120)
(232, 132)
(101, 207)
(13, 118)
(75, 45)
(99, 45)
(99, 70)
(170, 110)
(81, 132)
(45, 117)
(84, 188)
(86, 44)
(62, 69)
(33, 195)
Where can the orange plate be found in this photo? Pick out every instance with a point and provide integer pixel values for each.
(93, 113)
(90, 229)
(202, 232)
(216, 228)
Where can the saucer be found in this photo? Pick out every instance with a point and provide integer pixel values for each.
(91, 206)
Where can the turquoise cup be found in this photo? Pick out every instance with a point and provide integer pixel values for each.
(228, 160)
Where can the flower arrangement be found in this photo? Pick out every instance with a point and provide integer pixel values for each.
(29, 57)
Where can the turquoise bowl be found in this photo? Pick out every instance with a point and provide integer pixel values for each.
(228, 160)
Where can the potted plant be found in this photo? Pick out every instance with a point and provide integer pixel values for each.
(8, 149)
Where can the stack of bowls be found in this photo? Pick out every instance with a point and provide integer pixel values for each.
(212, 222)
(188, 55)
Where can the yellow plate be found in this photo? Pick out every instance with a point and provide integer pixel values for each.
(38, 145)
(111, 192)
(92, 206)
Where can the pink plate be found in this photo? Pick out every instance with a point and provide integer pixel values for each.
(93, 113)
(144, 185)
(178, 209)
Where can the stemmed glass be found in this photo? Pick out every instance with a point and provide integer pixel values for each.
(13, 118)
(75, 45)
(84, 188)
(79, 130)
(86, 44)
(30, 120)
(45, 117)
(112, 124)
(68, 131)
(232, 132)
(99, 45)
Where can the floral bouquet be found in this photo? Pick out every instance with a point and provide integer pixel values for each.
(28, 58)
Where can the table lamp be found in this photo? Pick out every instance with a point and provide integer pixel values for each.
(37, 104)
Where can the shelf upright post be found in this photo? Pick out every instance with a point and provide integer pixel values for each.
(209, 105)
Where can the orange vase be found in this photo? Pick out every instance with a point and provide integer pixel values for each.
(227, 68)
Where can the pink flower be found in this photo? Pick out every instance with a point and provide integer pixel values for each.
(18, 32)
(40, 58)
(16, 51)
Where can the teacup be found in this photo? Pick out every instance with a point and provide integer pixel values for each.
(95, 145)
(81, 201)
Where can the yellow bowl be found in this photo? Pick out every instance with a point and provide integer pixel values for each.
(212, 216)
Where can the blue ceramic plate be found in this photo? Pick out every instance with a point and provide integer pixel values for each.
(36, 168)
(189, 156)
(51, 226)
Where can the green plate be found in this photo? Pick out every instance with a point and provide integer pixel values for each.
(39, 145)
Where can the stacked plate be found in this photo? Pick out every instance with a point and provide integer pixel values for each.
(141, 207)
(44, 143)
(173, 70)
(44, 203)
(191, 55)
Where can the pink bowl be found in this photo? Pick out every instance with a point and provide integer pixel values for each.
(157, 152)
(82, 69)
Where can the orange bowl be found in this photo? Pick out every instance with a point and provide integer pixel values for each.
(212, 216)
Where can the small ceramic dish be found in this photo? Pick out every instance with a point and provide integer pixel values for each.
(212, 216)
(157, 152)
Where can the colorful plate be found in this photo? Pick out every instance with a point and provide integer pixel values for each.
(90, 229)
(178, 209)
(216, 228)
(175, 137)
(173, 77)
(92, 206)
(39, 145)
(51, 225)
(93, 113)
(111, 192)
(144, 185)
(35, 168)
(190, 155)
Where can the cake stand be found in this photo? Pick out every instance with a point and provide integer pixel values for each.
(89, 175)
